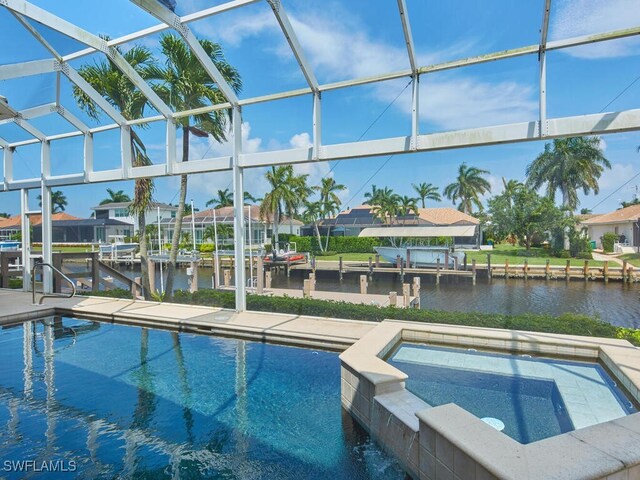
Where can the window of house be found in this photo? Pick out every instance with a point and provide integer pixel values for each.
(122, 212)
(173, 214)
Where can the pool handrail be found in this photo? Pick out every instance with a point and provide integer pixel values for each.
(49, 295)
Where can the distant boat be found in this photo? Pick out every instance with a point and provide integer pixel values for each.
(9, 245)
(288, 254)
(117, 247)
(422, 256)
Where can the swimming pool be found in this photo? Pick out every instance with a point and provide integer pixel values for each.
(533, 398)
(111, 399)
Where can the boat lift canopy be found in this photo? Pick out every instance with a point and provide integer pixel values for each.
(422, 232)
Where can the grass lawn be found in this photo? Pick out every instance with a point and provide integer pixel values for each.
(517, 256)
(632, 258)
(64, 249)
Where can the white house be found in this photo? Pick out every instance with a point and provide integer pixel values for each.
(120, 211)
(622, 222)
(261, 229)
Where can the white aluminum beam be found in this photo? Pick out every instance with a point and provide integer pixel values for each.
(7, 154)
(30, 129)
(408, 37)
(192, 17)
(542, 58)
(25, 227)
(594, 124)
(26, 69)
(292, 39)
(40, 15)
(238, 207)
(317, 124)
(165, 15)
(72, 119)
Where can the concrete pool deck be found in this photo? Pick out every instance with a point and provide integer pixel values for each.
(335, 334)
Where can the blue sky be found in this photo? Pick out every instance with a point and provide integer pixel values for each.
(347, 39)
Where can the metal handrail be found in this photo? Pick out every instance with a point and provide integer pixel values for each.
(49, 295)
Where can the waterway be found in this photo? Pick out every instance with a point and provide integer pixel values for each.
(615, 302)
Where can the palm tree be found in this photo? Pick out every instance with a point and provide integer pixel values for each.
(224, 199)
(328, 196)
(568, 165)
(313, 213)
(426, 191)
(250, 198)
(118, 90)
(184, 84)
(407, 205)
(58, 201)
(373, 196)
(511, 187)
(280, 196)
(116, 197)
(467, 188)
(385, 204)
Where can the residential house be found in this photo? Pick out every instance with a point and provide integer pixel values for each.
(259, 230)
(120, 211)
(66, 228)
(623, 222)
(351, 222)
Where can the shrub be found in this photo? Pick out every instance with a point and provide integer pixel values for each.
(567, 323)
(608, 239)
(206, 247)
(15, 283)
(337, 244)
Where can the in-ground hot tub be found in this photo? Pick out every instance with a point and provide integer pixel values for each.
(528, 398)
(564, 416)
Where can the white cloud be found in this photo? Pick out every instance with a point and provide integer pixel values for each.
(619, 173)
(574, 18)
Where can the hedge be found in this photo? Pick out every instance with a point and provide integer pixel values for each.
(567, 323)
(608, 240)
(337, 244)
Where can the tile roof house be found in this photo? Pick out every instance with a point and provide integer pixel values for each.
(352, 221)
(623, 222)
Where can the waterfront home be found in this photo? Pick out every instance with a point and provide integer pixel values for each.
(68, 229)
(120, 211)
(259, 229)
(350, 222)
(623, 222)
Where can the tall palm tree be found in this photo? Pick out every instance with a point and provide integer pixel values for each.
(385, 204)
(116, 197)
(467, 188)
(118, 90)
(250, 198)
(511, 187)
(58, 201)
(328, 195)
(373, 196)
(426, 191)
(568, 165)
(314, 212)
(224, 199)
(184, 84)
(279, 195)
(407, 205)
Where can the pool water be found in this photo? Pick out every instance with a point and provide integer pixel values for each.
(535, 398)
(121, 401)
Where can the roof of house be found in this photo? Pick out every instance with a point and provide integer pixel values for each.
(16, 222)
(363, 216)
(624, 215)
(226, 215)
(126, 205)
(90, 222)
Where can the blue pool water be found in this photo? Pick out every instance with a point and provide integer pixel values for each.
(117, 401)
(535, 398)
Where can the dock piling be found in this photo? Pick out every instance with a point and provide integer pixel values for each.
(227, 277)
(605, 271)
(525, 269)
(363, 284)
(393, 299)
(473, 270)
(267, 280)
(408, 262)
(585, 270)
(370, 267)
(438, 271)
(506, 268)
(547, 269)
(416, 290)
(405, 294)
(489, 272)
(312, 282)
(340, 266)
(567, 271)
(377, 261)
(306, 288)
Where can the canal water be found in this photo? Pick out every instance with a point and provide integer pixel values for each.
(616, 303)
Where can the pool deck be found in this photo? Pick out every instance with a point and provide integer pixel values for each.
(335, 334)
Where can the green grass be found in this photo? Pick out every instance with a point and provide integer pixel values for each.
(632, 258)
(517, 256)
(66, 249)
